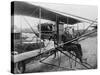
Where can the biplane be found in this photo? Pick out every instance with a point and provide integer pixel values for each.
(49, 32)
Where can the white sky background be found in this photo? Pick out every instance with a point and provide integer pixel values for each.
(85, 11)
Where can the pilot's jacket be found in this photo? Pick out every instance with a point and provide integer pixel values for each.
(66, 36)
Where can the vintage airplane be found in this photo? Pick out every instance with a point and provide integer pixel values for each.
(46, 31)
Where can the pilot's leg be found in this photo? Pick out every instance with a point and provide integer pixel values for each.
(79, 52)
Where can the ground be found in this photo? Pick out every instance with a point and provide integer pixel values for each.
(89, 48)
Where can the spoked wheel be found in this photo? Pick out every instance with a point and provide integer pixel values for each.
(19, 67)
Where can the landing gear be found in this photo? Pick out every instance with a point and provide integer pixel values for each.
(19, 67)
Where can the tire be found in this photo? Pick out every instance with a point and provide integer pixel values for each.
(20, 67)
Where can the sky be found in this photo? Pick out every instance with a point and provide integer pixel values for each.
(85, 11)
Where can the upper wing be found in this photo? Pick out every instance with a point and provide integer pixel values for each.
(23, 8)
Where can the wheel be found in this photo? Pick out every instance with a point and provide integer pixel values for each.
(19, 67)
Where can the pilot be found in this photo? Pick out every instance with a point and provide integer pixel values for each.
(75, 47)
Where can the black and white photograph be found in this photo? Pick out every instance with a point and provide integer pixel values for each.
(51, 37)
